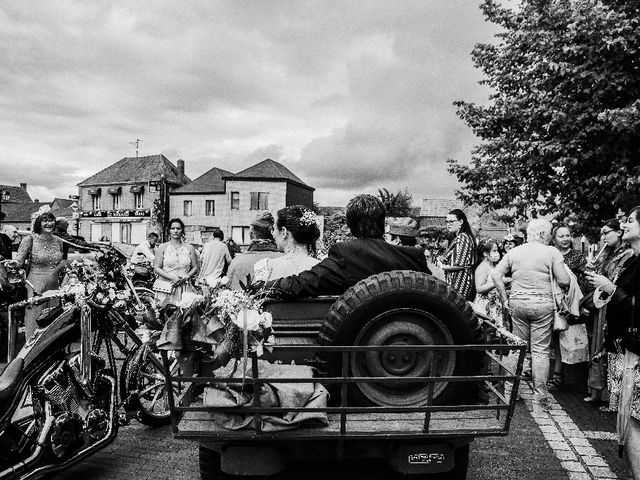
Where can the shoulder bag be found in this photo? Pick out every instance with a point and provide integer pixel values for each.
(162, 286)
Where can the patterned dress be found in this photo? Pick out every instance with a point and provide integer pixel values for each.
(489, 304)
(44, 254)
(461, 253)
(175, 260)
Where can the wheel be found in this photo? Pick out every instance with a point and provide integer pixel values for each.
(145, 388)
(403, 308)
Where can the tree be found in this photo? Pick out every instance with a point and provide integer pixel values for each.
(562, 130)
(396, 204)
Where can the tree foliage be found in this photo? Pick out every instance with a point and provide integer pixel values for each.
(397, 204)
(561, 132)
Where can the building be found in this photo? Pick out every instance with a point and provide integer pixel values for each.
(221, 199)
(16, 206)
(129, 199)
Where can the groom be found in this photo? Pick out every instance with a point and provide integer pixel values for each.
(349, 262)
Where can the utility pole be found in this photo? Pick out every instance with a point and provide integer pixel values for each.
(137, 144)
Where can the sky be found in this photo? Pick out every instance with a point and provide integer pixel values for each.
(352, 96)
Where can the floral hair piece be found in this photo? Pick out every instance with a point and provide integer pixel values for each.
(308, 218)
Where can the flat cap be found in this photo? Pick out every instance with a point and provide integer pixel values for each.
(405, 226)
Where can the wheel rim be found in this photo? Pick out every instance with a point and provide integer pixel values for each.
(403, 326)
(152, 387)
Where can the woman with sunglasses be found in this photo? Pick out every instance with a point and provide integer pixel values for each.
(623, 335)
(460, 258)
(615, 253)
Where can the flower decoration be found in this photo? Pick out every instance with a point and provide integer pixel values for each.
(225, 324)
(308, 218)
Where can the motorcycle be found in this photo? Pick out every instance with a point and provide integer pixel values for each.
(64, 395)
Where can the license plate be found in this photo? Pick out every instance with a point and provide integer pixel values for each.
(427, 458)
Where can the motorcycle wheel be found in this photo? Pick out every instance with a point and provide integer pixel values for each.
(145, 388)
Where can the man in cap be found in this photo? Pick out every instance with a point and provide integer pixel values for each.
(349, 262)
(401, 231)
(262, 246)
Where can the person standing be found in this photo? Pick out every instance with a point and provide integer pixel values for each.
(262, 246)
(42, 254)
(460, 258)
(175, 264)
(614, 254)
(623, 333)
(8, 236)
(561, 239)
(487, 301)
(146, 251)
(215, 257)
(531, 302)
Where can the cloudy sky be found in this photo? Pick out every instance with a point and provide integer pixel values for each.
(350, 95)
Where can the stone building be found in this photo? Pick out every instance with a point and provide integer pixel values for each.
(128, 199)
(221, 199)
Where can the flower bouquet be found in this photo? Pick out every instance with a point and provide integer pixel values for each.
(222, 325)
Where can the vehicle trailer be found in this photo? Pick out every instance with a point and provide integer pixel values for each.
(427, 439)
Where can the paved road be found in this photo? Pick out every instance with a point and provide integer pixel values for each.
(573, 441)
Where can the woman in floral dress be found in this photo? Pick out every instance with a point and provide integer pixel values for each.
(176, 262)
(460, 258)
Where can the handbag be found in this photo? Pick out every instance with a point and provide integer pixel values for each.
(162, 286)
(574, 344)
(597, 377)
(631, 341)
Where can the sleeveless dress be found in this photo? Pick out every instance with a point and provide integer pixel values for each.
(44, 254)
(279, 267)
(489, 304)
(175, 260)
(461, 254)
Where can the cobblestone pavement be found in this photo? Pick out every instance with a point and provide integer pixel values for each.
(573, 441)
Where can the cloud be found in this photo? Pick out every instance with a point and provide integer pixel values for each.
(350, 95)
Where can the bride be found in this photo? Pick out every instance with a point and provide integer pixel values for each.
(295, 232)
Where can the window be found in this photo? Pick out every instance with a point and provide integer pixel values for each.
(259, 201)
(235, 200)
(240, 235)
(138, 200)
(188, 208)
(116, 202)
(210, 208)
(95, 202)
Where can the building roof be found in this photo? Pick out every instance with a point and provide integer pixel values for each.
(209, 182)
(16, 194)
(438, 207)
(136, 170)
(268, 170)
(62, 202)
(20, 212)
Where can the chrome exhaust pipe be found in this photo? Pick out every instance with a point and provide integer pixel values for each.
(40, 445)
(104, 441)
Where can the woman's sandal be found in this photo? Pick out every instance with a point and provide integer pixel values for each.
(555, 382)
(607, 409)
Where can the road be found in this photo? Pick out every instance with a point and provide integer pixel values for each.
(573, 441)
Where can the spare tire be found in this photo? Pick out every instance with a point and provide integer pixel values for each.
(410, 308)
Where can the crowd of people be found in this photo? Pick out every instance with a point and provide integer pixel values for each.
(525, 283)
(528, 286)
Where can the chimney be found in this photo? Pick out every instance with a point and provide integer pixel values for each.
(180, 164)
(23, 186)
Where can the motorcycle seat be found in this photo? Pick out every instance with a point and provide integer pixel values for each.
(10, 378)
